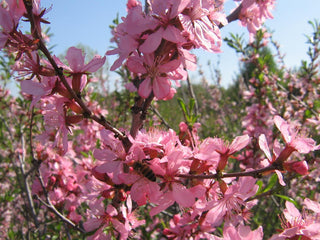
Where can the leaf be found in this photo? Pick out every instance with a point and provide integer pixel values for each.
(272, 181)
(183, 106)
(260, 184)
(192, 102)
(288, 199)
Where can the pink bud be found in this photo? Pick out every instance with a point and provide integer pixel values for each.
(300, 167)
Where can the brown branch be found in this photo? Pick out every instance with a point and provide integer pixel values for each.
(253, 173)
(233, 16)
(139, 112)
(52, 208)
(59, 71)
(164, 122)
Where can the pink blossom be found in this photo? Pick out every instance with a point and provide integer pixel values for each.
(9, 18)
(112, 154)
(231, 202)
(271, 158)
(77, 67)
(240, 233)
(291, 138)
(202, 32)
(165, 12)
(38, 89)
(101, 218)
(157, 74)
(297, 225)
(127, 34)
(226, 150)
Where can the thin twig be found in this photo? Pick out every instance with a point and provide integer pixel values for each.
(59, 71)
(253, 173)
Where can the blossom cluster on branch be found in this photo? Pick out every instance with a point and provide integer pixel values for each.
(122, 183)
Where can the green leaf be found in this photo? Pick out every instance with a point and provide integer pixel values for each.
(288, 199)
(183, 106)
(260, 184)
(191, 105)
(272, 181)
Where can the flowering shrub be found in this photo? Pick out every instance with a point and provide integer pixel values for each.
(75, 167)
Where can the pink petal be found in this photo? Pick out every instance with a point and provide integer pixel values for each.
(238, 143)
(291, 212)
(173, 34)
(92, 224)
(280, 177)
(264, 146)
(170, 66)
(145, 88)
(182, 195)
(33, 88)
(104, 155)
(304, 145)
(152, 42)
(96, 63)
(161, 87)
(75, 59)
(135, 65)
(312, 205)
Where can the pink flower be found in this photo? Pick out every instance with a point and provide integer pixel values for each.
(38, 89)
(127, 34)
(157, 74)
(165, 12)
(9, 18)
(232, 201)
(226, 150)
(195, 21)
(112, 155)
(240, 233)
(271, 158)
(104, 221)
(77, 67)
(296, 225)
(292, 140)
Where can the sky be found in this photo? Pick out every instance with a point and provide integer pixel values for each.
(87, 22)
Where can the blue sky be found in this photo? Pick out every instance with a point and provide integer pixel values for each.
(87, 22)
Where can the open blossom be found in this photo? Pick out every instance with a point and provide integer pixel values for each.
(242, 232)
(157, 74)
(202, 32)
(300, 226)
(225, 150)
(9, 18)
(101, 218)
(291, 138)
(112, 156)
(254, 13)
(78, 69)
(232, 201)
(38, 89)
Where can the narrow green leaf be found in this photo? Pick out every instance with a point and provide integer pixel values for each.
(272, 181)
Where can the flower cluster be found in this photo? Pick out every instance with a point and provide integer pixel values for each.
(156, 45)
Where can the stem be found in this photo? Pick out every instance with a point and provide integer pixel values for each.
(139, 111)
(59, 71)
(233, 16)
(254, 173)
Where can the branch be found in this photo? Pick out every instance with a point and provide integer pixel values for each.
(59, 71)
(52, 208)
(139, 112)
(160, 116)
(233, 16)
(253, 173)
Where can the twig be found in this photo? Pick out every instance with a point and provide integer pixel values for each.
(233, 16)
(160, 117)
(253, 173)
(59, 71)
(52, 208)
